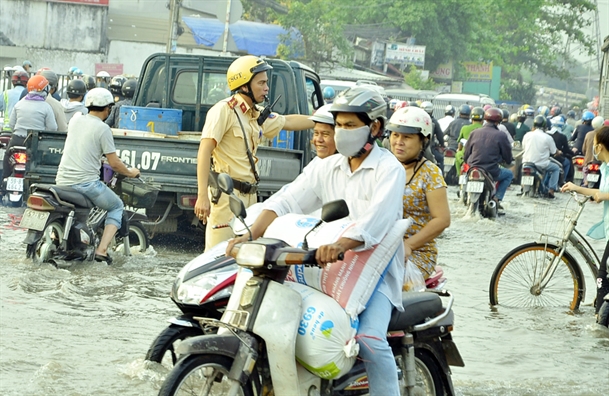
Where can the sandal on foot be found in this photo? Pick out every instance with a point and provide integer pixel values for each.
(99, 258)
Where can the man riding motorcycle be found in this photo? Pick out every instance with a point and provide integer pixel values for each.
(537, 147)
(454, 128)
(372, 181)
(487, 147)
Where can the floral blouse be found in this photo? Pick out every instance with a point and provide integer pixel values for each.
(427, 178)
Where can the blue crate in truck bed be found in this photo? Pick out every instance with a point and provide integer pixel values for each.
(151, 119)
(285, 140)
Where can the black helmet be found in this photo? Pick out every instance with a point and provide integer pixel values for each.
(477, 114)
(571, 114)
(539, 121)
(76, 88)
(361, 99)
(449, 110)
(506, 114)
(128, 89)
(89, 81)
(465, 110)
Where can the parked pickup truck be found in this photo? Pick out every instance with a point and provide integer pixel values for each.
(169, 162)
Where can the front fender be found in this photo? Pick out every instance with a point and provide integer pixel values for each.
(214, 344)
(440, 357)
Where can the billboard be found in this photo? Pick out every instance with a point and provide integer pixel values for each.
(104, 3)
(404, 54)
(479, 71)
(443, 72)
(113, 69)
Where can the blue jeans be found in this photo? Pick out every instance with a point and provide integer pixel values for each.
(550, 181)
(504, 180)
(566, 166)
(374, 348)
(104, 198)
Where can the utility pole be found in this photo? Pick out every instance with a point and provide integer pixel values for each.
(226, 28)
(174, 20)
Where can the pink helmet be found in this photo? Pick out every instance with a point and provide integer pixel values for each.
(487, 106)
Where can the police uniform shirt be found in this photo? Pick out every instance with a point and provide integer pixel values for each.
(221, 124)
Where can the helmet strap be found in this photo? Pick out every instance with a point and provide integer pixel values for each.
(367, 147)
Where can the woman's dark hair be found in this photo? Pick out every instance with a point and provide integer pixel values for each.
(602, 137)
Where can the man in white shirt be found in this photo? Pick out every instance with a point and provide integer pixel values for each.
(371, 180)
(449, 116)
(538, 146)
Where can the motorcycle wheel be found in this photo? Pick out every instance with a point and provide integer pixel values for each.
(428, 375)
(138, 239)
(513, 283)
(163, 348)
(48, 244)
(201, 374)
(603, 315)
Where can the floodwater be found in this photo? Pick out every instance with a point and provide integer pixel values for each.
(85, 330)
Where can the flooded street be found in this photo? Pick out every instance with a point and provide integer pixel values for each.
(85, 330)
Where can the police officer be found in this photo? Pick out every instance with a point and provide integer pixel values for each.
(231, 130)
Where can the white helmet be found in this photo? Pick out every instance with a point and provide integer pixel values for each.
(557, 121)
(427, 106)
(597, 122)
(103, 74)
(323, 115)
(99, 97)
(410, 120)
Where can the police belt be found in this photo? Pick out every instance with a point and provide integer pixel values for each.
(241, 186)
(245, 187)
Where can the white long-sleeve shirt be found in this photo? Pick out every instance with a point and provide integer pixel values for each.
(374, 195)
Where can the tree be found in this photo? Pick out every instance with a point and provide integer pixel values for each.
(414, 79)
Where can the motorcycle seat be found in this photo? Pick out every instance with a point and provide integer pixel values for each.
(417, 308)
(65, 193)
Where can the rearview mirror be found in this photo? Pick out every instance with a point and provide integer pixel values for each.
(225, 184)
(334, 210)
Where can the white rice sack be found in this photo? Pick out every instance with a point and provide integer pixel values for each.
(352, 281)
(291, 228)
(325, 344)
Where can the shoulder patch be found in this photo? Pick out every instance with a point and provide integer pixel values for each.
(272, 115)
(243, 107)
(232, 102)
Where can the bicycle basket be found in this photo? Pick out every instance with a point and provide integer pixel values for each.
(553, 221)
(137, 194)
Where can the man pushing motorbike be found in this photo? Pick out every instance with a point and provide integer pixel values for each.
(371, 180)
(89, 138)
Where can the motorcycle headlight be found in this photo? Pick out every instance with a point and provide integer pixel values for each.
(200, 289)
(251, 255)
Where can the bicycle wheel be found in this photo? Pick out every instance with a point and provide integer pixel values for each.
(514, 281)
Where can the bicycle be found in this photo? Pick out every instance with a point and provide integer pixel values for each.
(544, 273)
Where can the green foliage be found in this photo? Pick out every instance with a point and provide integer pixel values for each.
(516, 35)
(414, 79)
(518, 91)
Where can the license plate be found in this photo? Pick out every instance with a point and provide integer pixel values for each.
(578, 175)
(462, 179)
(475, 186)
(450, 161)
(14, 184)
(527, 180)
(34, 220)
(592, 178)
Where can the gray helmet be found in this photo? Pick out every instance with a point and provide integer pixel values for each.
(361, 99)
(51, 77)
(465, 110)
(89, 81)
(76, 88)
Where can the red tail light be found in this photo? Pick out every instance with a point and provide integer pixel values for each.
(20, 158)
(579, 160)
(475, 174)
(39, 203)
(188, 201)
(527, 171)
(464, 168)
(449, 153)
(593, 168)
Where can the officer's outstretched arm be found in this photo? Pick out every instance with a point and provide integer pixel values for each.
(297, 122)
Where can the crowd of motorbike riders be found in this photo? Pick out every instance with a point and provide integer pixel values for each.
(34, 102)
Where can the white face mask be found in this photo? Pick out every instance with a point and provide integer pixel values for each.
(350, 141)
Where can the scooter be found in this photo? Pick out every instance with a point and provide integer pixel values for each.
(531, 180)
(480, 189)
(64, 225)
(462, 193)
(202, 289)
(253, 350)
(450, 172)
(13, 184)
(593, 174)
(578, 169)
